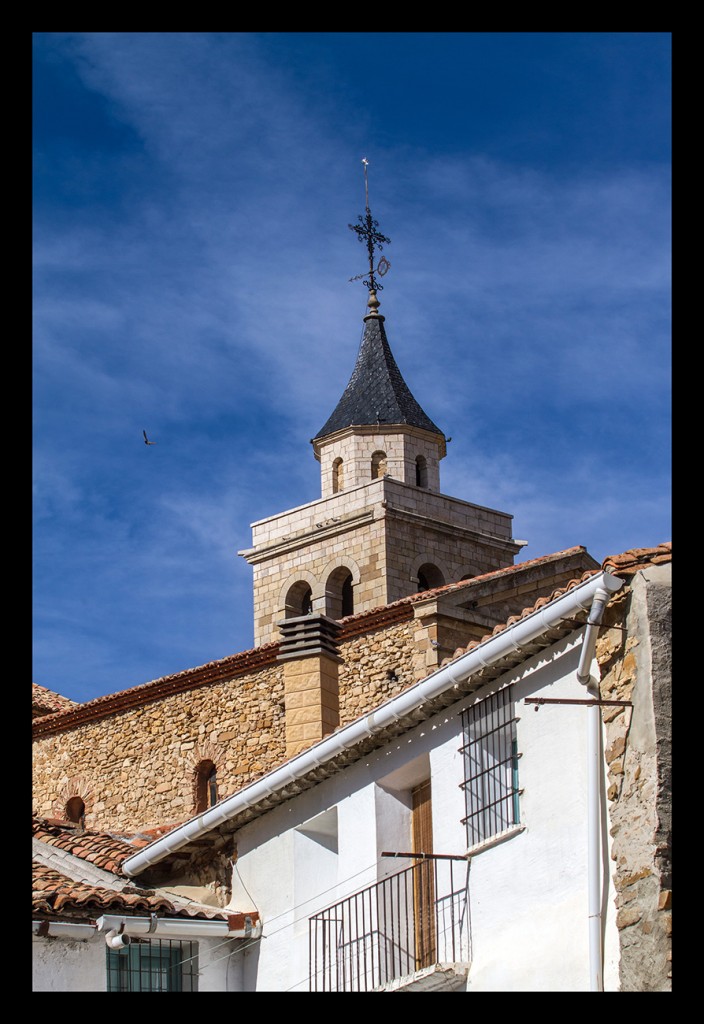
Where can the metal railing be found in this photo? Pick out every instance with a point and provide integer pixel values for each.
(408, 921)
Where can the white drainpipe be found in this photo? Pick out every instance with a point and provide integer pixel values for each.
(596, 980)
(119, 929)
(513, 638)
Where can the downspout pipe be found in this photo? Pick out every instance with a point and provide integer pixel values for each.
(513, 638)
(584, 676)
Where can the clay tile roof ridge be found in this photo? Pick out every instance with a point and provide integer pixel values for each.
(217, 665)
(634, 558)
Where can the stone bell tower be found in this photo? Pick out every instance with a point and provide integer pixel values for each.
(382, 529)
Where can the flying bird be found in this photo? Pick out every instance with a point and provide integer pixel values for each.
(146, 439)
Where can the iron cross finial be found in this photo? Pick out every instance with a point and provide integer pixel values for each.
(368, 233)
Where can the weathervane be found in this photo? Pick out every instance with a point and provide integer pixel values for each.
(368, 233)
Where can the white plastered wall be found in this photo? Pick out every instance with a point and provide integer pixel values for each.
(528, 895)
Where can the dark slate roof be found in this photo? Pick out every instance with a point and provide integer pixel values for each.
(376, 392)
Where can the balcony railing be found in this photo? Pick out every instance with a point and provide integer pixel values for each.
(408, 921)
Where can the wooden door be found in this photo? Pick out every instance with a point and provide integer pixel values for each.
(423, 878)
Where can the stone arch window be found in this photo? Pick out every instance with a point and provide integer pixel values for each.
(339, 598)
(337, 475)
(75, 810)
(379, 464)
(75, 800)
(299, 600)
(206, 786)
(421, 471)
(429, 576)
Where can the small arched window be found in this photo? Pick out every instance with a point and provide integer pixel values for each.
(339, 594)
(75, 810)
(206, 786)
(429, 576)
(379, 463)
(299, 600)
(337, 476)
(421, 471)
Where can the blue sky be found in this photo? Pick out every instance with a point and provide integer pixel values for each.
(192, 195)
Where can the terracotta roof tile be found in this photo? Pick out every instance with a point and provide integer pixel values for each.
(99, 848)
(201, 675)
(147, 835)
(54, 892)
(631, 561)
(46, 702)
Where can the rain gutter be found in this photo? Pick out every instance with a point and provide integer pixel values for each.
(120, 928)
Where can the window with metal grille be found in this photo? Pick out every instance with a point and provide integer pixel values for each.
(490, 767)
(155, 966)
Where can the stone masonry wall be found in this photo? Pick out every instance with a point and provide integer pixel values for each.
(136, 768)
(376, 667)
(356, 445)
(633, 654)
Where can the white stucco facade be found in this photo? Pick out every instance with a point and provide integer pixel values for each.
(526, 924)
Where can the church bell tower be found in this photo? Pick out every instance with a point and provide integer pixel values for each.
(382, 529)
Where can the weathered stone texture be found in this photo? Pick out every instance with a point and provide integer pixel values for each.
(375, 667)
(139, 763)
(634, 656)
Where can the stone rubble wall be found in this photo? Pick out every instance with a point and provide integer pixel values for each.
(139, 764)
(376, 667)
(633, 655)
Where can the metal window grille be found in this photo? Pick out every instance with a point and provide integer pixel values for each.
(491, 767)
(153, 966)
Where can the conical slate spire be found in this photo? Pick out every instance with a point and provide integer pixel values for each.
(376, 392)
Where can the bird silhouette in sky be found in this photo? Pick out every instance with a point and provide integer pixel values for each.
(146, 439)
